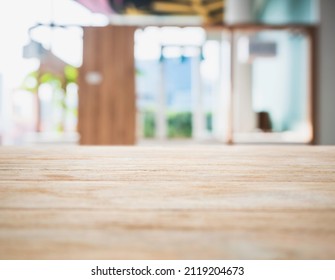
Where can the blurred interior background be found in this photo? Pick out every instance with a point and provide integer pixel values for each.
(87, 72)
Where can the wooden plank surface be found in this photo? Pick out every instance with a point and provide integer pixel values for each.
(239, 202)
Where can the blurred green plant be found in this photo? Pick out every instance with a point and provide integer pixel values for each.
(35, 79)
(209, 121)
(149, 124)
(180, 125)
(59, 83)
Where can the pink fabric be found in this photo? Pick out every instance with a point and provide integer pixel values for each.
(97, 6)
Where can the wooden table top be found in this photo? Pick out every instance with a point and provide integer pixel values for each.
(238, 202)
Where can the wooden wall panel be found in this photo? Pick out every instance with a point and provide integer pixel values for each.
(107, 108)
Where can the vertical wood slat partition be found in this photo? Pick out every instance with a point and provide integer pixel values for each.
(107, 110)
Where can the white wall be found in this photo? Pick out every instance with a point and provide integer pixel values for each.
(326, 100)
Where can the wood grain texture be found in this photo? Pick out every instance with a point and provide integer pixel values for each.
(107, 109)
(245, 202)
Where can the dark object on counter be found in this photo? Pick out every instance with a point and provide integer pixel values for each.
(264, 121)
